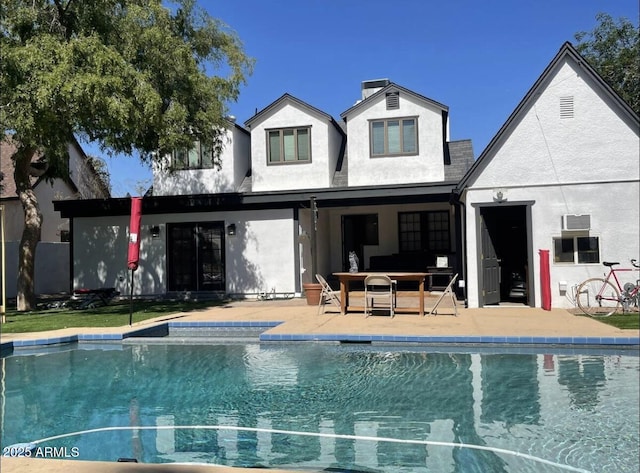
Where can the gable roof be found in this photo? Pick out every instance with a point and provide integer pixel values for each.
(288, 98)
(392, 87)
(8, 190)
(566, 51)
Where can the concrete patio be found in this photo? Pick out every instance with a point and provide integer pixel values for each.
(297, 318)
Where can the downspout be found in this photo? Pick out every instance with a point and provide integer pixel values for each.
(314, 230)
(72, 269)
(461, 246)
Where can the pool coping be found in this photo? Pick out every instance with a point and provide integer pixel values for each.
(162, 330)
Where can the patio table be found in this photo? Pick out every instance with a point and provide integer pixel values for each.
(345, 279)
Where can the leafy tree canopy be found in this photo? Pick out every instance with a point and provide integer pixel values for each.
(132, 75)
(129, 74)
(613, 49)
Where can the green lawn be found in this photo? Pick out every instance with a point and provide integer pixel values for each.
(113, 315)
(625, 321)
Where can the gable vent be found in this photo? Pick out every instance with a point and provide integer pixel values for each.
(576, 222)
(566, 107)
(393, 100)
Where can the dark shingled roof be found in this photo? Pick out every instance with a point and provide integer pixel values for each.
(461, 155)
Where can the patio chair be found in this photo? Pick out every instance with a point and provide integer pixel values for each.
(381, 289)
(327, 294)
(448, 292)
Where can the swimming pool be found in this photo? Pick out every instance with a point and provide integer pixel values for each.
(320, 406)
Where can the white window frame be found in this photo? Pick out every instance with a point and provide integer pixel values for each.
(577, 257)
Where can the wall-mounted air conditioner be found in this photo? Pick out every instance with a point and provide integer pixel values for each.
(576, 222)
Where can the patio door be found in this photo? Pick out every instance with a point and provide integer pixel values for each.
(195, 256)
(358, 231)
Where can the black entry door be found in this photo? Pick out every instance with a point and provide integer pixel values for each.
(195, 256)
(490, 266)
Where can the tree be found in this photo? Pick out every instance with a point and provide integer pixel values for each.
(613, 49)
(101, 171)
(128, 74)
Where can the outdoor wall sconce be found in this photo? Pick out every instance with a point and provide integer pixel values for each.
(155, 231)
(231, 229)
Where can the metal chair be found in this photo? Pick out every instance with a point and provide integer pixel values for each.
(327, 294)
(448, 293)
(380, 289)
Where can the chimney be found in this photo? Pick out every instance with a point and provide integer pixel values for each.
(370, 87)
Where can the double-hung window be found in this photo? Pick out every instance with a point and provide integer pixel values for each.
(394, 137)
(200, 156)
(289, 145)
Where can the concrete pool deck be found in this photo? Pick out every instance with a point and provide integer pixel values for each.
(298, 321)
(294, 320)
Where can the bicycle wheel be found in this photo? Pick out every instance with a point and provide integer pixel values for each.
(598, 298)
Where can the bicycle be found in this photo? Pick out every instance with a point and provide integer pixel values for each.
(600, 297)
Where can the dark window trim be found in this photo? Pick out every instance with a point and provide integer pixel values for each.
(424, 231)
(186, 166)
(386, 153)
(281, 161)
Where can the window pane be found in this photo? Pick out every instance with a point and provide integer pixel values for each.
(180, 159)
(289, 145)
(410, 233)
(409, 136)
(393, 136)
(377, 138)
(303, 144)
(588, 250)
(274, 146)
(563, 250)
(194, 156)
(207, 156)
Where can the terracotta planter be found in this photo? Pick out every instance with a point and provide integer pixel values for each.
(312, 291)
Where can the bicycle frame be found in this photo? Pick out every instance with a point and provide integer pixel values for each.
(612, 272)
(601, 297)
(627, 297)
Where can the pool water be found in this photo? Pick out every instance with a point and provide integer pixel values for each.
(347, 407)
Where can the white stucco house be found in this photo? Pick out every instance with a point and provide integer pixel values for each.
(52, 260)
(245, 228)
(385, 181)
(561, 175)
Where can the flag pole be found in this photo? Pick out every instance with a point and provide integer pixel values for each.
(131, 299)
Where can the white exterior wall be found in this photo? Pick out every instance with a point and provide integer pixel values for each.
(234, 166)
(427, 166)
(589, 164)
(290, 176)
(51, 222)
(258, 258)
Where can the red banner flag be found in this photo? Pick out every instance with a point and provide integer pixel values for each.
(134, 233)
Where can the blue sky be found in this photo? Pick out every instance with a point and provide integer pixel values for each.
(477, 57)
